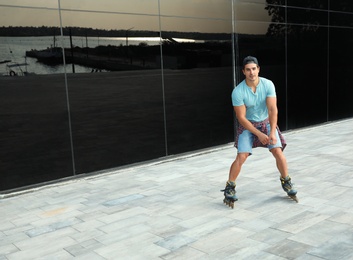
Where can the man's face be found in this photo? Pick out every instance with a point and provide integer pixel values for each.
(251, 71)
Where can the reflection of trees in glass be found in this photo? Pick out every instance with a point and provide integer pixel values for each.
(306, 16)
(277, 12)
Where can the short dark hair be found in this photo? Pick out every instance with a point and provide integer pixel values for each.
(250, 59)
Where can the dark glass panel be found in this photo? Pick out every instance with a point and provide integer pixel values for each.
(307, 78)
(34, 131)
(338, 19)
(117, 109)
(341, 6)
(340, 58)
(311, 18)
(198, 108)
(340, 71)
(117, 118)
(309, 4)
(273, 2)
(198, 82)
(35, 138)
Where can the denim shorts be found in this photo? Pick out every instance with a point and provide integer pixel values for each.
(246, 141)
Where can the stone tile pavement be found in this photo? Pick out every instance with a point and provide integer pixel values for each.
(173, 209)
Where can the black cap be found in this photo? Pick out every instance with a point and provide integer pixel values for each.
(250, 59)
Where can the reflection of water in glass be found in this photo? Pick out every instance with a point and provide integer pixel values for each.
(14, 49)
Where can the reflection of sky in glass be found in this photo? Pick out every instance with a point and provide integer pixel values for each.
(182, 15)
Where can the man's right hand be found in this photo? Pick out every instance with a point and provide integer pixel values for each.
(264, 139)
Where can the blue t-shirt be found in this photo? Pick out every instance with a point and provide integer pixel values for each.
(255, 103)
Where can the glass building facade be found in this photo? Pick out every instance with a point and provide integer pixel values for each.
(87, 86)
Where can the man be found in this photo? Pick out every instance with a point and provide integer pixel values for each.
(255, 105)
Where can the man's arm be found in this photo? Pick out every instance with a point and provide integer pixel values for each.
(240, 112)
(271, 103)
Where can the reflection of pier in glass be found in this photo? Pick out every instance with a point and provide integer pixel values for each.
(44, 58)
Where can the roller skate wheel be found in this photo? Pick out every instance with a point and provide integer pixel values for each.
(231, 205)
(294, 197)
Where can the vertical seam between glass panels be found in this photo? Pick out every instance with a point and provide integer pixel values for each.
(233, 45)
(162, 76)
(286, 61)
(328, 63)
(67, 91)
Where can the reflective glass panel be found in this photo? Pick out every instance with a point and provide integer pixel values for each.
(311, 18)
(117, 103)
(341, 19)
(341, 6)
(198, 75)
(307, 77)
(35, 138)
(309, 4)
(341, 91)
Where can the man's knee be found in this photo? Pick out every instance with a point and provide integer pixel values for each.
(277, 152)
(241, 158)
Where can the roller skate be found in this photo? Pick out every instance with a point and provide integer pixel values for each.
(288, 188)
(229, 194)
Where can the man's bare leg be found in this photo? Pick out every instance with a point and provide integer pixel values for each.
(229, 191)
(236, 166)
(281, 161)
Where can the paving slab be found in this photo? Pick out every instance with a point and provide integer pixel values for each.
(172, 208)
